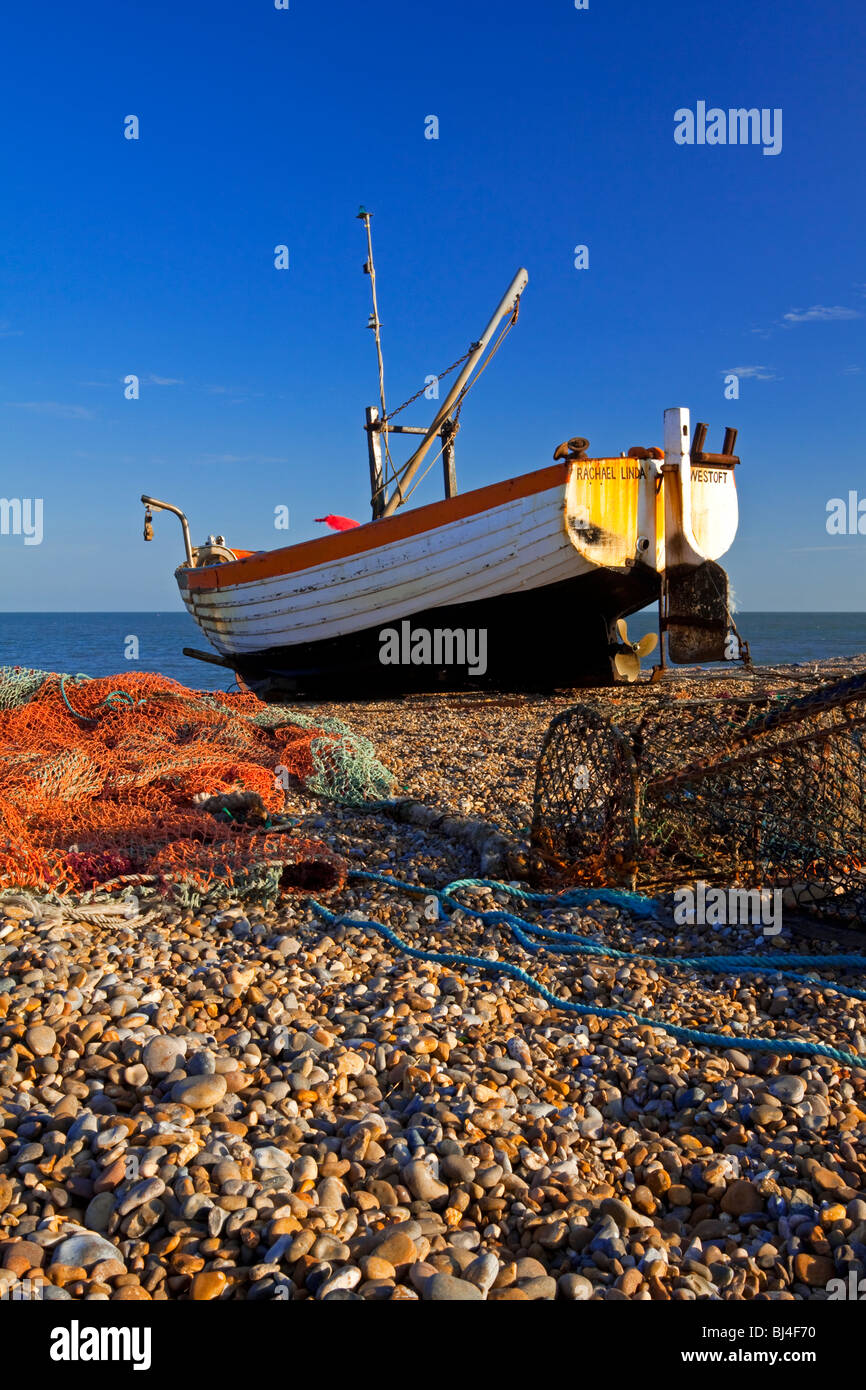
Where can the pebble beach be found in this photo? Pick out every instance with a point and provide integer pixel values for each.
(247, 1102)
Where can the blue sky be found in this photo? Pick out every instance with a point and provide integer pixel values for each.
(261, 127)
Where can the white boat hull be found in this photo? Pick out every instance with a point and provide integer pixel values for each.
(545, 563)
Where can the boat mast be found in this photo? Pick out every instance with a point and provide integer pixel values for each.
(375, 322)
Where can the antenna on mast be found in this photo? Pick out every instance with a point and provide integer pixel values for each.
(374, 322)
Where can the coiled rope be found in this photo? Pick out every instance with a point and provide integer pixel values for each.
(115, 697)
(560, 942)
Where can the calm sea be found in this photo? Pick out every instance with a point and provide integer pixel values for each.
(95, 644)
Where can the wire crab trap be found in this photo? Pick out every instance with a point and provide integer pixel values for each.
(747, 791)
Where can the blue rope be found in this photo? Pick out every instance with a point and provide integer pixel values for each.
(115, 697)
(570, 943)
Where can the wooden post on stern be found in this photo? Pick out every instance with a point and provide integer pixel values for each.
(660, 670)
(374, 450)
(449, 469)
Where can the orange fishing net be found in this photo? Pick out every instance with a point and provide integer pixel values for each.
(138, 776)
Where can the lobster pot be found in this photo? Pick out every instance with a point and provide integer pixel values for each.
(585, 808)
(753, 793)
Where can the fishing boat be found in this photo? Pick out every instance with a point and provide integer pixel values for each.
(524, 583)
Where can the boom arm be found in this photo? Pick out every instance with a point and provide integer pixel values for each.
(506, 306)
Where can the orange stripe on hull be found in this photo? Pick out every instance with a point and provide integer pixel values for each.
(292, 558)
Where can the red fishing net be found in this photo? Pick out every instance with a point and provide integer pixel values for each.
(138, 776)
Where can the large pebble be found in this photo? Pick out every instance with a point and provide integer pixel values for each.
(84, 1250)
(741, 1198)
(200, 1092)
(398, 1249)
(162, 1054)
(482, 1271)
(99, 1212)
(445, 1288)
(421, 1182)
(207, 1285)
(576, 1287)
(40, 1040)
(788, 1089)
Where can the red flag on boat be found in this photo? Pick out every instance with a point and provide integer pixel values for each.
(338, 523)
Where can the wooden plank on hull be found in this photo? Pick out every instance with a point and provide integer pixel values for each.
(326, 549)
(534, 550)
(514, 553)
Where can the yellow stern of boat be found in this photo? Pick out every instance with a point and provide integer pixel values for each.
(661, 513)
(606, 509)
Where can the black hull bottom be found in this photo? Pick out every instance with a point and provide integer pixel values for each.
(539, 639)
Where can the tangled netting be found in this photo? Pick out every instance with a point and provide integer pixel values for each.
(135, 778)
(760, 792)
